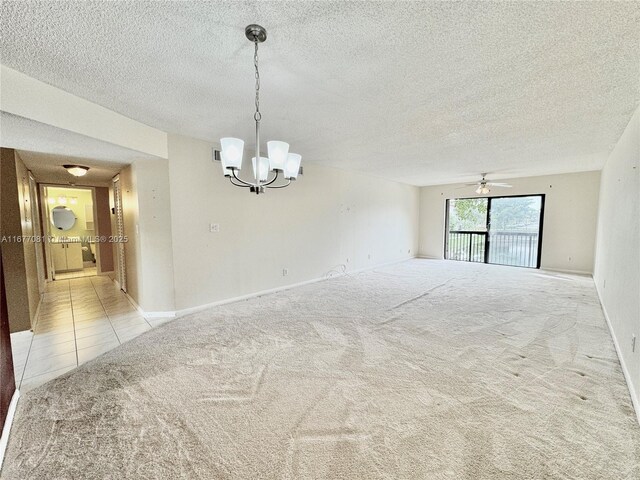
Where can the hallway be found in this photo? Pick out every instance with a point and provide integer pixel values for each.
(78, 320)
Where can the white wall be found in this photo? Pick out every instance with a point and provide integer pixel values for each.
(570, 217)
(617, 264)
(147, 226)
(30, 98)
(327, 219)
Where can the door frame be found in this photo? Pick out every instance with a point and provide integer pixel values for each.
(44, 208)
(488, 224)
(118, 212)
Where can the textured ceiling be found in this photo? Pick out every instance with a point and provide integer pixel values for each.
(44, 149)
(421, 92)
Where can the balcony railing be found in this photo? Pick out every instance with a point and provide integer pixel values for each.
(467, 246)
(504, 248)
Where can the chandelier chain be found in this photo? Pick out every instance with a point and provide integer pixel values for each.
(257, 116)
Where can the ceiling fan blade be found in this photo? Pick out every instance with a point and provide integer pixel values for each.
(471, 184)
(505, 185)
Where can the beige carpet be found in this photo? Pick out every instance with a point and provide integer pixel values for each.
(423, 370)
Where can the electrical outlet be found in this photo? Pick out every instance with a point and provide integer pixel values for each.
(285, 272)
(214, 227)
(633, 343)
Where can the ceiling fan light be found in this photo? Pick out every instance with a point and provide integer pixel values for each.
(278, 152)
(479, 190)
(76, 170)
(263, 168)
(292, 168)
(231, 153)
(485, 190)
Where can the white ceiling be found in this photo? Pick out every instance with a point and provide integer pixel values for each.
(44, 149)
(421, 92)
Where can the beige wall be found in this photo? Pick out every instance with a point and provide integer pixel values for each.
(19, 258)
(132, 255)
(147, 225)
(328, 220)
(570, 216)
(617, 266)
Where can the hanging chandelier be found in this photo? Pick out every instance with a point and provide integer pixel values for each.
(278, 162)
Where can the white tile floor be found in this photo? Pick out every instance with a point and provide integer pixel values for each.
(79, 319)
(85, 272)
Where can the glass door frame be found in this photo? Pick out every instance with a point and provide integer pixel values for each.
(488, 223)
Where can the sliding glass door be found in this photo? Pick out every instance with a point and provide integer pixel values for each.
(498, 230)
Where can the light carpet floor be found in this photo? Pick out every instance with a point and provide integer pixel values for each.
(422, 370)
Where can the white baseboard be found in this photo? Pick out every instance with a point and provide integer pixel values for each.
(571, 272)
(187, 311)
(6, 429)
(36, 316)
(149, 314)
(627, 376)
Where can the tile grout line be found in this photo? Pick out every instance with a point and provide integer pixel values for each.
(26, 362)
(105, 312)
(73, 321)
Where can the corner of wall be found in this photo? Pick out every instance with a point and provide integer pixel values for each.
(617, 252)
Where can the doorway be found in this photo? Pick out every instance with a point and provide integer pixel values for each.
(498, 230)
(71, 232)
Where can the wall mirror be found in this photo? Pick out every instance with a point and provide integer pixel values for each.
(63, 218)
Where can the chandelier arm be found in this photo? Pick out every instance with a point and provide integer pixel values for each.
(238, 184)
(282, 186)
(272, 180)
(245, 184)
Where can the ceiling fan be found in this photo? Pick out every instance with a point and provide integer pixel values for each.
(483, 185)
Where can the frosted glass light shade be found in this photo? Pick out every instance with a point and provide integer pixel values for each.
(483, 190)
(292, 166)
(76, 170)
(231, 153)
(263, 168)
(278, 152)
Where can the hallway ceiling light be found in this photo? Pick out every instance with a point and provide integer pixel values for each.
(279, 160)
(76, 170)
